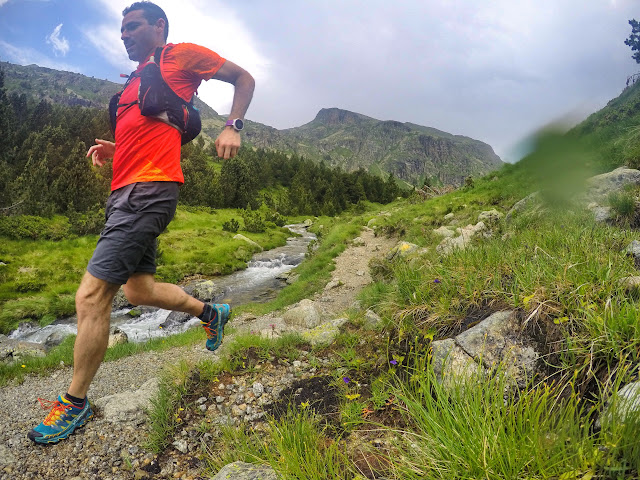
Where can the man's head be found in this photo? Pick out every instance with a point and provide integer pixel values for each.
(144, 27)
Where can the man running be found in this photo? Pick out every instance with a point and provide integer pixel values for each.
(144, 195)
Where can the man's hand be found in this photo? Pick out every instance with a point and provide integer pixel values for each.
(101, 152)
(228, 143)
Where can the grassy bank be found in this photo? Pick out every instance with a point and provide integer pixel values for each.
(39, 277)
(554, 265)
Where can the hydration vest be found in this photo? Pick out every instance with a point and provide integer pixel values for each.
(157, 99)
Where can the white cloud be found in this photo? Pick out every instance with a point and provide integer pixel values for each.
(60, 44)
(28, 56)
(211, 24)
(2, 2)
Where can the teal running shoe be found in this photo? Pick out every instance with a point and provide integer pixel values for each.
(64, 417)
(221, 313)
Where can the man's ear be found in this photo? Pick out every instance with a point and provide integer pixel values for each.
(160, 23)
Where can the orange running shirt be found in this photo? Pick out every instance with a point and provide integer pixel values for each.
(147, 149)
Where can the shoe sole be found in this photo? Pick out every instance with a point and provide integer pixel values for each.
(224, 320)
(64, 434)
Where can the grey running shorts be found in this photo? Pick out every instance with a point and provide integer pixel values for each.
(135, 215)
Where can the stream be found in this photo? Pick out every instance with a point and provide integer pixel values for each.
(259, 282)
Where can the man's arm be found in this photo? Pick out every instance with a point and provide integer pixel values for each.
(101, 152)
(228, 142)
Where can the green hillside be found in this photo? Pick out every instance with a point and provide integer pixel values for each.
(614, 131)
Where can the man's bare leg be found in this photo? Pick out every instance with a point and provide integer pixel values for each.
(142, 289)
(93, 307)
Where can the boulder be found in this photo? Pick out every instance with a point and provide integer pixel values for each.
(175, 319)
(466, 234)
(530, 202)
(246, 471)
(497, 340)
(490, 217)
(402, 249)
(371, 319)
(600, 186)
(625, 403)
(118, 337)
(631, 284)
(451, 363)
(495, 343)
(123, 406)
(120, 301)
(333, 284)
(304, 314)
(12, 350)
(444, 232)
(203, 290)
(358, 242)
(55, 339)
(602, 214)
(247, 240)
(324, 334)
(633, 250)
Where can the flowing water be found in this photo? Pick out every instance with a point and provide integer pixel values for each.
(259, 282)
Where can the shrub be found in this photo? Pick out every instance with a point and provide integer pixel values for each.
(278, 219)
(253, 221)
(35, 228)
(89, 223)
(622, 203)
(231, 226)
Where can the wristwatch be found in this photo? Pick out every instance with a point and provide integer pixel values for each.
(236, 123)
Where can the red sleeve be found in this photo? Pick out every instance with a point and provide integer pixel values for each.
(196, 59)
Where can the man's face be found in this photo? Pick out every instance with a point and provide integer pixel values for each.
(140, 38)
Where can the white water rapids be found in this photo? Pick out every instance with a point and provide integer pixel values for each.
(257, 283)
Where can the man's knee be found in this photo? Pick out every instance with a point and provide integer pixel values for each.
(139, 289)
(94, 293)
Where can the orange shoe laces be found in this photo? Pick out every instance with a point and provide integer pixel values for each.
(57, 409)
(211, 332)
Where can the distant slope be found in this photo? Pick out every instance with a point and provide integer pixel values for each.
(411, 152)
(68, 88)
(614, 131)
(338, 137)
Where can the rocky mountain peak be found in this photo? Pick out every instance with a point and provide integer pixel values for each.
(337, 116)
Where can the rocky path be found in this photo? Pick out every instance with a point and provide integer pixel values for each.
(111, 445)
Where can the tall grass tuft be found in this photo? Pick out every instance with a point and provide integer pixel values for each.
(295, 447)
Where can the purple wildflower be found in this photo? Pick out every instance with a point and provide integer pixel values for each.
(393, 362)
(437, 281)
(346, 379)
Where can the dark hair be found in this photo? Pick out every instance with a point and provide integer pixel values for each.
(151, 13)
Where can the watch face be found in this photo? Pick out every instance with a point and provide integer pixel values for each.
(238, 124)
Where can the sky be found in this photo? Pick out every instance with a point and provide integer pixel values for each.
(493, 70)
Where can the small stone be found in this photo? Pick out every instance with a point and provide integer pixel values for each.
(258, 389)
(297, 364)
(201, 400)
(181, 446)
(219, 399)
(203, 408)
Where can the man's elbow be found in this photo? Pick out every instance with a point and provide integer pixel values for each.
(246, 81)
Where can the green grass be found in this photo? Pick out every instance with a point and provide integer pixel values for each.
(39, 280)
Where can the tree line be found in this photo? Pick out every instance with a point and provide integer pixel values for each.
(44, 170)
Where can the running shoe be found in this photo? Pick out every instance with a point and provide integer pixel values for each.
(64, 417)
(221, 312)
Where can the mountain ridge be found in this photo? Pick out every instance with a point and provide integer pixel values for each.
(341, 138)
